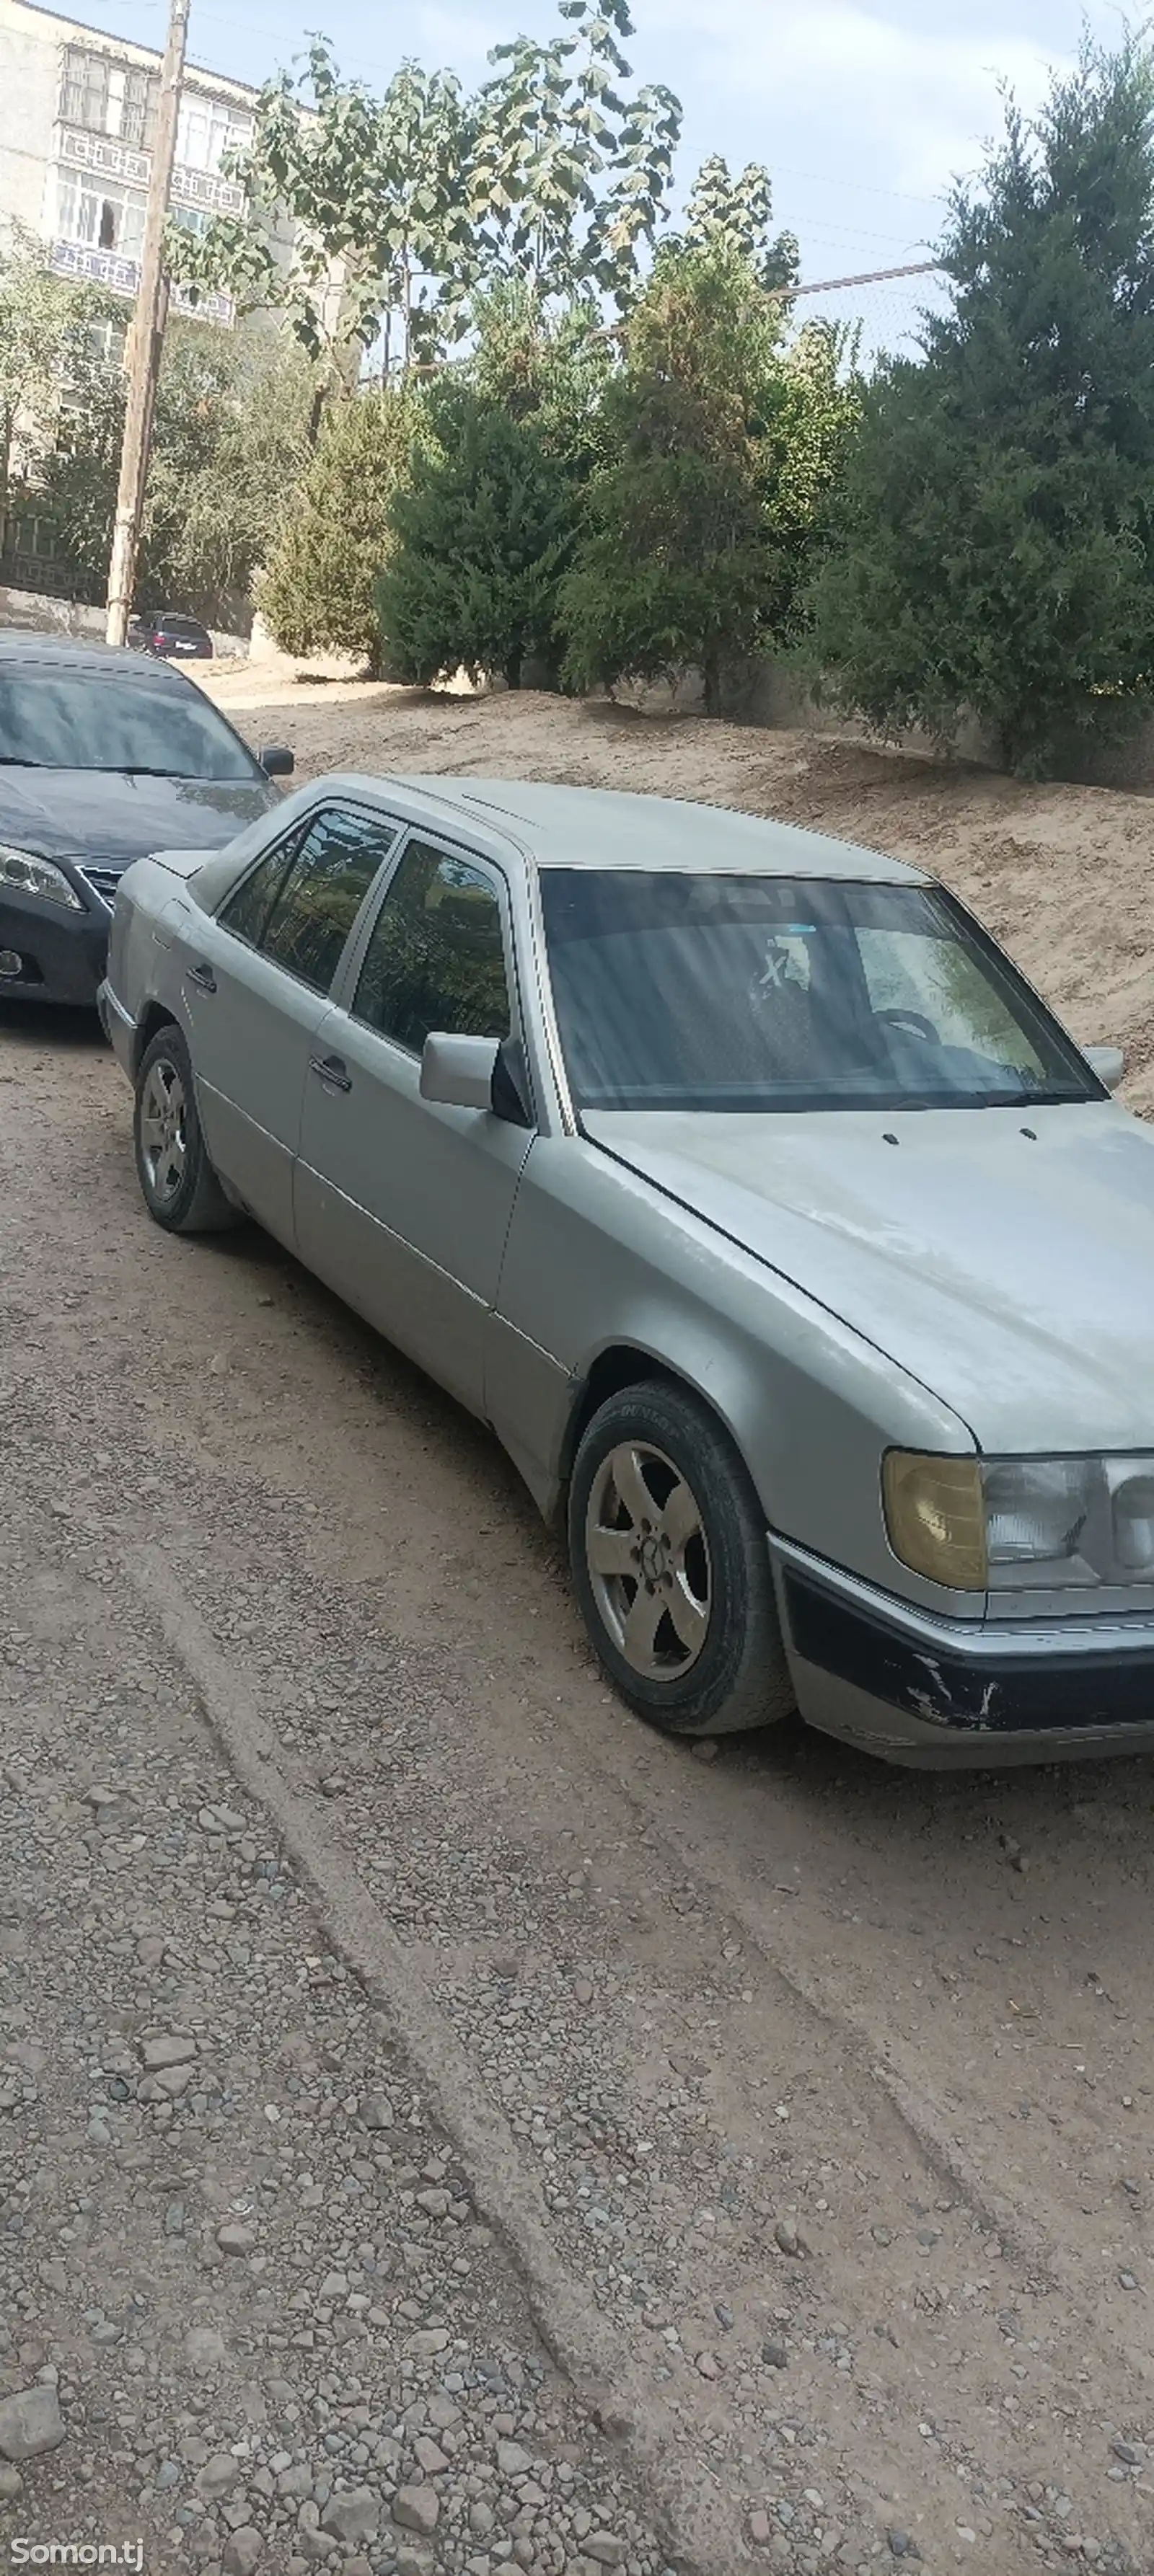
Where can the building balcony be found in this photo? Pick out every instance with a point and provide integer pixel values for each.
(109, 268)
(102, 154)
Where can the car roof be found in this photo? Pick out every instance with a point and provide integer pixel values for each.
(597, 827)
(25, 644)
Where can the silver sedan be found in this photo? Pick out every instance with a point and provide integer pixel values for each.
(799, 1258)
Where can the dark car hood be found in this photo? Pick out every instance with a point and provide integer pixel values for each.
(104, 815)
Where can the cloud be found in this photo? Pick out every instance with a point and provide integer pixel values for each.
(914, 104)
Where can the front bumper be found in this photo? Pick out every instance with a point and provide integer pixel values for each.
(957, 1694)
(63, 953)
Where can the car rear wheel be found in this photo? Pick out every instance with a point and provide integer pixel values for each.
(180, 1187)
(671, 1568)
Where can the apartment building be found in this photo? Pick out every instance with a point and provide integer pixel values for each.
(77, 118)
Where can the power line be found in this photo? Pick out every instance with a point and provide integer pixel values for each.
(871, 277)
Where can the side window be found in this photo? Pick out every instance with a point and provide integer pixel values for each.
(317, 902)
(436, 959)
(246, 911)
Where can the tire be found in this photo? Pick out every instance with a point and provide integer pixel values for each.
(180, 1188)
(705, 1657)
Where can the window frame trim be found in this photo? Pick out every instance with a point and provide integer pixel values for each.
(302, 826)
(437, 839)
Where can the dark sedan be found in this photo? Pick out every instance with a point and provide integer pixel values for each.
(104, 757)
(175, 637)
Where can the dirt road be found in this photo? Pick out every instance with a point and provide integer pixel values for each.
(443, 2126)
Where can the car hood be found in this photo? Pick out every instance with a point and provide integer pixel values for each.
(1011, 1272)
(102, 814)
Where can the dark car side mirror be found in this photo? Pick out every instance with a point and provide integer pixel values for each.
(276, 760)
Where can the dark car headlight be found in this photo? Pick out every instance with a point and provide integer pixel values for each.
(26, 874)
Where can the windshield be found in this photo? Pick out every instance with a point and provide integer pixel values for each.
(753, 993)
(66, 719)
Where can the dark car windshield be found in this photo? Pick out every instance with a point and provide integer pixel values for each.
(69, 719)
(758, 993)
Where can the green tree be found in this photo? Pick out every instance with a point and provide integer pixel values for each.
(548, 365)
(374, 190)
(42, 324)
(483, 533)
(404, 206)
(812, 414)
(996, 556)
(672, 570)
(738, 213)
(569, 177)
(337, 535)
(228, 441)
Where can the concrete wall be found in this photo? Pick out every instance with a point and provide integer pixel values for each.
(765, 694)
(46, 616)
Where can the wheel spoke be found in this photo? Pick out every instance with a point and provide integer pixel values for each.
(611, 1551)
(690, 1617)
(641, 1627)
(630, 1486)
(681, 1520)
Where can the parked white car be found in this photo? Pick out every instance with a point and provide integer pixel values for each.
(796, 1254)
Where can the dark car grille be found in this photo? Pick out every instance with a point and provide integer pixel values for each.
(104, 882)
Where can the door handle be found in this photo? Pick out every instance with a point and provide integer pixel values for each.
(203, 977)
(332, 1070)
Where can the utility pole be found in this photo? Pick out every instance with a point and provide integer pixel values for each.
(146, 335)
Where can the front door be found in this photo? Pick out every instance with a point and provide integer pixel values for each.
(401, 1204)
(257, 981)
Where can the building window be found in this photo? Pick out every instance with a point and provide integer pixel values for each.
(208, 130)
(192, 219)
(99, 216)
(107, 97)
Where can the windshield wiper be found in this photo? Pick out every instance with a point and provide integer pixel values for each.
(140, 769)
(15, 760)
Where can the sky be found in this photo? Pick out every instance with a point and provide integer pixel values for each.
(864, 111)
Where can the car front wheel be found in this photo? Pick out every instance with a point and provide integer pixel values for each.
(671, 1567)
(180, 1187)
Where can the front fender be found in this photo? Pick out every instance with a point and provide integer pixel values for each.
(600, 1262)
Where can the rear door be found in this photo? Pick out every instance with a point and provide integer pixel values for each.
(257, 986)
(401, 1204)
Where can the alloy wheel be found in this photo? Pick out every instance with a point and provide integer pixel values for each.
(163, 1130)
(648, 1560)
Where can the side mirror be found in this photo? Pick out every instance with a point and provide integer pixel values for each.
(276, 760)
(478, 1073)
(1109, 1063)
(459, 1072)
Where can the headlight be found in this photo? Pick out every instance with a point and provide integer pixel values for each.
(30, 875)
(1020, 1523)
(936, 1518)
